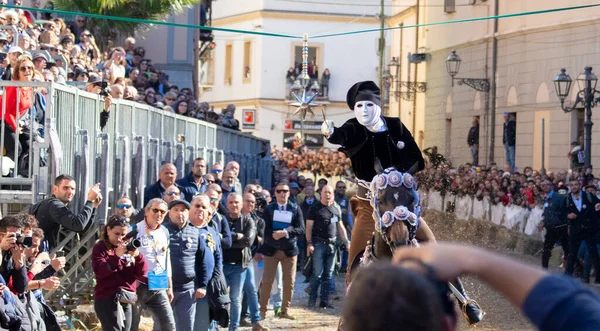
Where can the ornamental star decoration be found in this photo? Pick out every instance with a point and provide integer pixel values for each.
(304, 104)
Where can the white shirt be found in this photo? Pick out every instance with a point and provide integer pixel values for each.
(154, 247)
(577, 201)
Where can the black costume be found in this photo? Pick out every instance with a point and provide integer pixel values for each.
(394, 146)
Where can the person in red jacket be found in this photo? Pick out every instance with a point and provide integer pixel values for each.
(13, 96)
(116, 272)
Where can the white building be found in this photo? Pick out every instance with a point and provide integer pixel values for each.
(250, 70)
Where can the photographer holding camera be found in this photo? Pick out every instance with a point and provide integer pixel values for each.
(12, 244)
(99, 86)
(116, 265)
(41, 268)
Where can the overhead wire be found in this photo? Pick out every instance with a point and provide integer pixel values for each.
(280, 35)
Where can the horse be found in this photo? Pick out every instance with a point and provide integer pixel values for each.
(397, 215)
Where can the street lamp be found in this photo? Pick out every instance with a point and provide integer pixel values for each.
(452, 67)
(411, 87)
(587, 96)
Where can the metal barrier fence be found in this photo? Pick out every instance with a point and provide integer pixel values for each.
(127, 155)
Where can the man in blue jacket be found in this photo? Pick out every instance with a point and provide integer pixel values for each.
(192, 260)
(193, 183)
(200, 216)
(554, 219)
(167, 176)
(284, 224)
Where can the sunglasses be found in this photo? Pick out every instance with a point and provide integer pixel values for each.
(24, 69)
(216, 171)
(210, 181)
(214, 199)
(123, 206)
(282, 191)
(161, 211)
(169, 99)
(173, 193)
(80, 21)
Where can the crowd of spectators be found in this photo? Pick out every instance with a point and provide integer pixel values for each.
(292, 77)
(498, 184)
(322, 162)
(65, 51)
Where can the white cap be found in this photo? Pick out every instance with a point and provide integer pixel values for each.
(15, 49)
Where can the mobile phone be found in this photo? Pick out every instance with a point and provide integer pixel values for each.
(60, 253)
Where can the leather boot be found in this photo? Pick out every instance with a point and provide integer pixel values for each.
(470, 308)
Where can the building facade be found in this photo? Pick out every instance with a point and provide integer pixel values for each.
(250, 71)
(526, 56)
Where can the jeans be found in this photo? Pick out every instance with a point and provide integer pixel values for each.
(575, 240)
(275, 290)
(202, 320)
(552, 236)
(106, 310)
(157, 302)
(510, 156)
(184, 310)
(236, 276)
(587, 261)
(323, 258)
(475, 155)
(251, 294)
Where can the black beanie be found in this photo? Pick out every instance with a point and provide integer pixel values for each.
(363, 91)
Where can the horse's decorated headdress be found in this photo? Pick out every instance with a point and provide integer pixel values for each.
(391, 177)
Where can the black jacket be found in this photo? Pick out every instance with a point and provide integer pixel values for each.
(288, 245)
(473, 137)
(554, 214)
(218, 298)
(52, 213)
(510, 132)
(156, 190)
(587, 219)
(240, 253)
(357, 143)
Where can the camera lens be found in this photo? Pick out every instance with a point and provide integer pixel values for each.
(134, 244)
(25, 242)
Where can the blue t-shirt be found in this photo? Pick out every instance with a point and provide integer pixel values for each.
(560, 303)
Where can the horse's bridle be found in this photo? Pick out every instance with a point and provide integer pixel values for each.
(394, 178)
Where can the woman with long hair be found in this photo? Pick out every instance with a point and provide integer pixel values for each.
(116, 268)
(22, 72)
(116, 64)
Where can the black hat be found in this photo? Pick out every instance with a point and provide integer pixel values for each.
(179, 202)
(363, 91)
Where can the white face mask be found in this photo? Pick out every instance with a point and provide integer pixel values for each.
(367, 113)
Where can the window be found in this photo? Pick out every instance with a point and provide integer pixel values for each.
(246, 70)
(228, 64)
(449, 6)
(313, 70)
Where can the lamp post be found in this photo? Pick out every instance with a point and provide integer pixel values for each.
(587, 96)
(452, 67)
(411, 87)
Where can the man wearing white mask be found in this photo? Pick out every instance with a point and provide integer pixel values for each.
(365, 138)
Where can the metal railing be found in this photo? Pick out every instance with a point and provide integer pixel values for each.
(124, 158)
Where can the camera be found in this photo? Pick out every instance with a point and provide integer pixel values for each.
(25, 242)
(133, 245)
(261, 202)
(104, 89)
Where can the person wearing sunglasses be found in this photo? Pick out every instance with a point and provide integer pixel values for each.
(155, 289)
(217, 171)
(171, 194)
(284, 223)
(209, 179)
(124, 207)
(23, 72)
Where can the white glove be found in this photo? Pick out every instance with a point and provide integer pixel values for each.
(327, 128)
